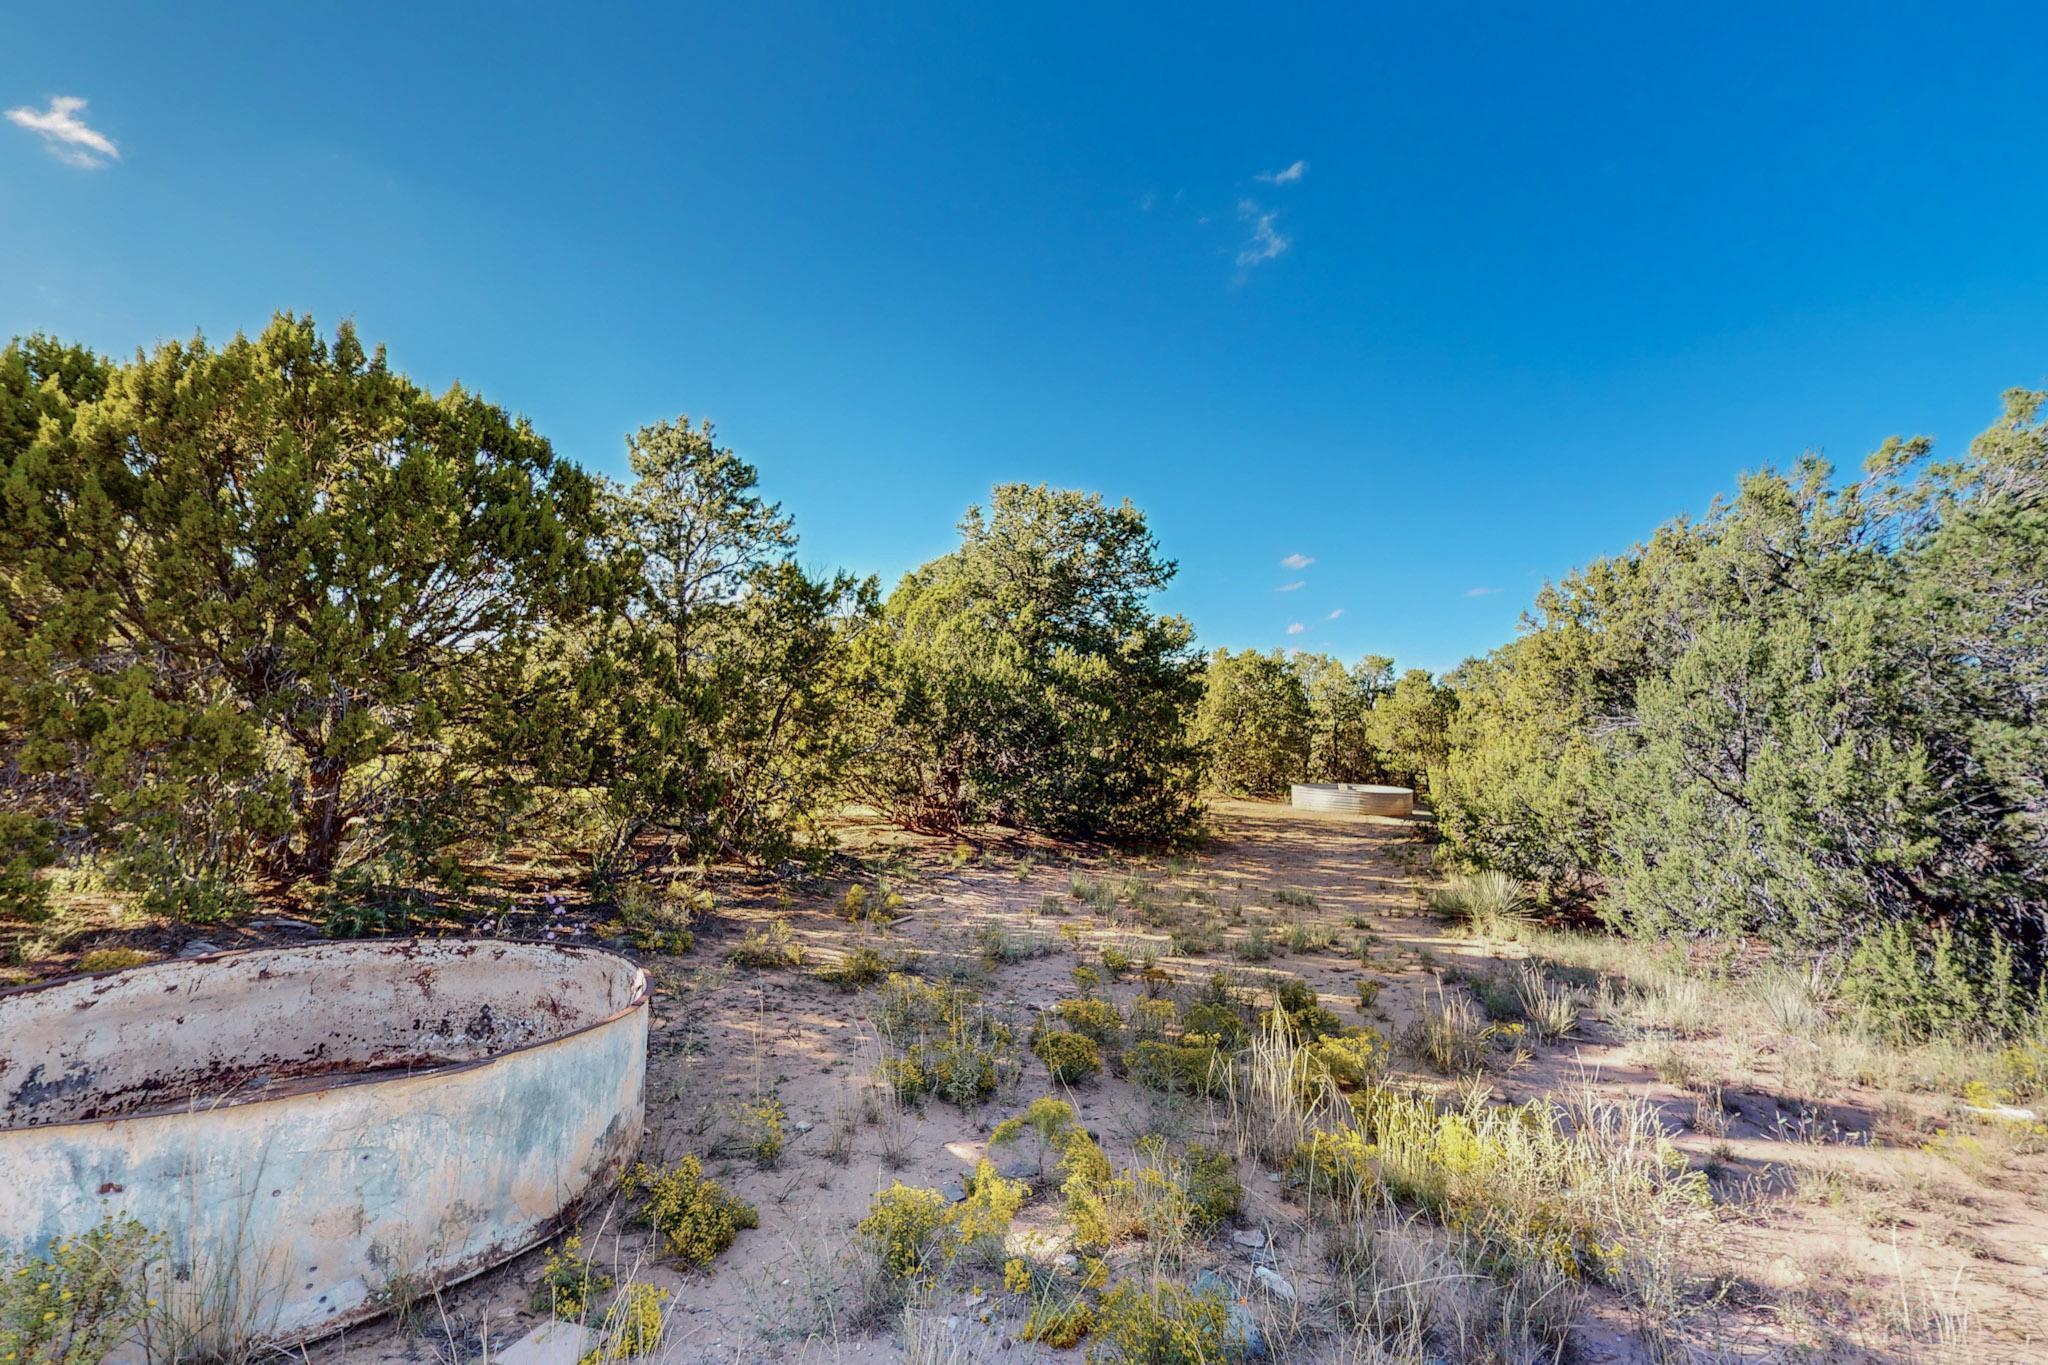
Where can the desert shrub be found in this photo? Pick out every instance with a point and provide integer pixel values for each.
(1295, 898)
(1115, 960)
(1302, 1013)
(693, 1217)
(112, 960)
(1153, 1018)
(1070, 1057)
(904, 1230)
(773, 947)
(1223, 1022)
(1368, 994)
(760, 1131)
(1096, 1019)
(1048, 1120)
(1214, 1192)
(982, 1220)
(863, 966)
(948, 1043)
(1257, 945)
(1164, 1324)
(570, 1283)
(1184, 1068)
(1930, 984)
(80, 1300)
(1339, 1164)
(631, 1327)
(1198, 937)
(1303, 937)
(1356, 1058)
(658, 920)
(1491, 904)
(1060, 1325)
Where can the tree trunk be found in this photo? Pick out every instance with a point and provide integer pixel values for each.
(321, 823)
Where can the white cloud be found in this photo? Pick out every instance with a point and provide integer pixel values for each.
(1267, 241)
(1297, 561)
(1335, 614)
(1296, 628)
(1287, 176)
(1481, 592)
(1296, 586)
(65, 135)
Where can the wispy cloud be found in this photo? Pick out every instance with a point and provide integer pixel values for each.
(1481, 592)
(1297, 560)
(1335, 614)
(65, 135)
(1267, 241)
(1296, 586)
(1287, 176)
(1296, 628)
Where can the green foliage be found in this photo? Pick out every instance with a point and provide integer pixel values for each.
(760, 1130)
(79, 1301)
(1097, 1019)
(1024, 678)
(1184, 1068)
(706, 699)
(1254, 722)
(111, 960)
(692, 1216)
(570, 1283)
(1071, 1058)
(948, 1043)
(773, 947)
(862, 966)
(1929, 984)
(1164, 1324)
(903, 1229)
(247, 593)
(982, 1220)
(1808, 716)
(1488, 902)
(632, 1325)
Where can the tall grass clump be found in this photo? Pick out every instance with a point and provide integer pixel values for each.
(1491, 904)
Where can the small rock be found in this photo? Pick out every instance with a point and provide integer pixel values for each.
(1273, 1176)
(198, 947)
(953, 1191)
(1273, 1282)
(1252, 1237)
(800, 1128)
(1017, 1168)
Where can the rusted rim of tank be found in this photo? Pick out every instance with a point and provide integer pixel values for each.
(643, 998)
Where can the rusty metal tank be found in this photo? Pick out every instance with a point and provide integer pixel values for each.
(323, 1128)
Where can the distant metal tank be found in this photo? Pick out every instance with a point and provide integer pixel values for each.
(1354, 798)
(319, 1130)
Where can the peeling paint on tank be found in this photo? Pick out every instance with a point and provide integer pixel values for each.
(334, 1117)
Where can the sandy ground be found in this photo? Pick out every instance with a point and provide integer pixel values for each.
(1799, 1277)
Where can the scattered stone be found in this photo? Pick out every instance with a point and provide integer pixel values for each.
(1253, 1238)
(1273, 1176)
(801, 1127)
(953, 1191)
(198, 947)
(1017, 1168)
(1273, 1282)
(552, 1343)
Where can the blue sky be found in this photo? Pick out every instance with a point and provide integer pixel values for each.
(1545, 276)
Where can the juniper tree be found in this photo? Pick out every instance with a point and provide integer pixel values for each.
(246, 587)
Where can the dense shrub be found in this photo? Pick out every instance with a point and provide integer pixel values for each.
(692, 1216)
(1070, 1057)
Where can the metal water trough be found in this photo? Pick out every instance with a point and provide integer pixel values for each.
(323, 1127)
(1354, 798)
